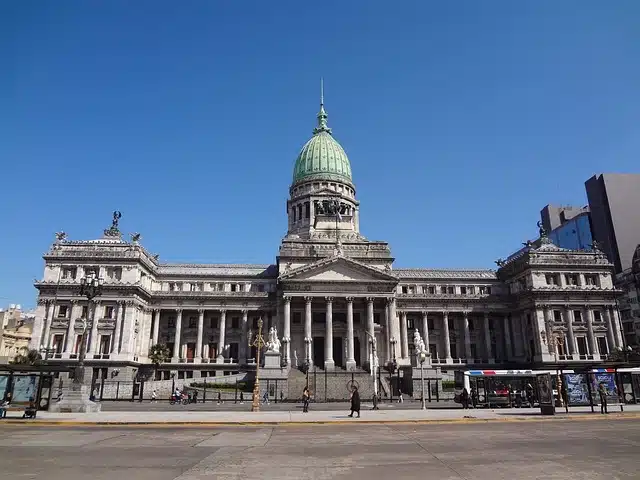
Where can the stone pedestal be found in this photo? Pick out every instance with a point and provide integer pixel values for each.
(272, 360)
(75, 400)
(351, 366)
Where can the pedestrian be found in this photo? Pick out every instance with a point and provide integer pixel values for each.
(355, 402)
(265, 398)
(306, 396)
(154, 396)
(464, 398)
(474, 397)
(241, 398)
(400, 397)
(375, 402)
(603, 399)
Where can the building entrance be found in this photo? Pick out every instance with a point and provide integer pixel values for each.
(318, 352)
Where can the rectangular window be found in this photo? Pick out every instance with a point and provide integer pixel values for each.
(171, 322)
(297, 318)
(235, 323)
(85, 311)
(471, 290)
(432, 290)
(551, 279)
(404, 289)
(105, 343)
(488, 290)
(597, 316)
(410, 324)
(108, 312)
(443, 289)
(234, 287)
(463, 290)
(451, 290)
(63, 311)
(430, 323)
(376, 318)
(69, 273)
(577, 316)
(557, 316)
(602, 345)
(582, 345)
(192, 322)
(356, 318)
(57, 343)
(571, 279)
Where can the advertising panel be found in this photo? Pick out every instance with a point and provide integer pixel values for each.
(24, 388)
(609, 382)
(4, 383)
(577, 388)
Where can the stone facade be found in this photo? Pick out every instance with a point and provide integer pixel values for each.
(330, 293)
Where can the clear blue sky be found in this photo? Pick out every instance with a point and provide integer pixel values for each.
(461, 119)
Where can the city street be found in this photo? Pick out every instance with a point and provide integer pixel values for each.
(550, 450)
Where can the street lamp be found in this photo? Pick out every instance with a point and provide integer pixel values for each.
(559, 340)
(374, 367)
(422, 356)
(90, 287)
(393, 365)
(46, 351)
(259, 343)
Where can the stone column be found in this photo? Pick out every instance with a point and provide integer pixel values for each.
(617, 327)
(467, 336)
(508, 350)
(307, 331)
(370, 329)
(198, 352)
(243, 351)
(611, 336)
(404, 337)
(286, 334)
(176, 344)
(351, 361)
(76, 311)
(47, 325)
(329, 364)
(115, 342)
(127, 346)
(591, 338)
(571, 339)
(95, 315)
(387, 329)
(394, 321)
(156, 325)
(425, 330)
(487, 338)
(445, 334)
(222, 327)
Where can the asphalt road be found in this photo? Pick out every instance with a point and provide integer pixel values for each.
(552, 450)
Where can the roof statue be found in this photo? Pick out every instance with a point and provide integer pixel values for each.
(113, 231)
(544, 234)
(500, 262)
(596, 246)
(135, 237)
(61, 236)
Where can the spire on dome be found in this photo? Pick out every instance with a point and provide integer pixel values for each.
(322, 115)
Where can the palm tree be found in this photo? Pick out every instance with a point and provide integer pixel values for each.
(28, 357)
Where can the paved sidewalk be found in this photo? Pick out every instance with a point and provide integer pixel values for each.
(315, 416)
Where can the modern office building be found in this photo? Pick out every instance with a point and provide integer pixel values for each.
(614, 201)
(568, 227)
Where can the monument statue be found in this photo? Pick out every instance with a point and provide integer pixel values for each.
(273, 343)
(418, 343)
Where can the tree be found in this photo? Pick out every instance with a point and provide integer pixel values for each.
(28, 357)
(159, 353)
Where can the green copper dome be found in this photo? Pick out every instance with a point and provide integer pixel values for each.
(322, 157)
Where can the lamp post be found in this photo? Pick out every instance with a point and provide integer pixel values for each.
(90, 287)
(259, 343)
(373, 363)
(559, 340)
(422, 356)
(46, 351)
(393, 365)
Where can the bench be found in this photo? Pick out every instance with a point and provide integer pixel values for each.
(24, 409)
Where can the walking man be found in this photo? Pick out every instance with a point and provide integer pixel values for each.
(603, 399)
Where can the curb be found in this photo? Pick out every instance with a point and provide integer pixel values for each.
(71, 423)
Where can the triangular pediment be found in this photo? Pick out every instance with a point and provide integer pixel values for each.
(338, 269)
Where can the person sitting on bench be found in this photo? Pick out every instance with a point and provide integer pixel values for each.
(31, 410)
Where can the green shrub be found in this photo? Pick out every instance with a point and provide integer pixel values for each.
(448, 385)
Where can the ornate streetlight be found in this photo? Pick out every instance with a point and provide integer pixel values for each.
(374, 368)
(90, 287)
(259, 343)
(559, 340)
